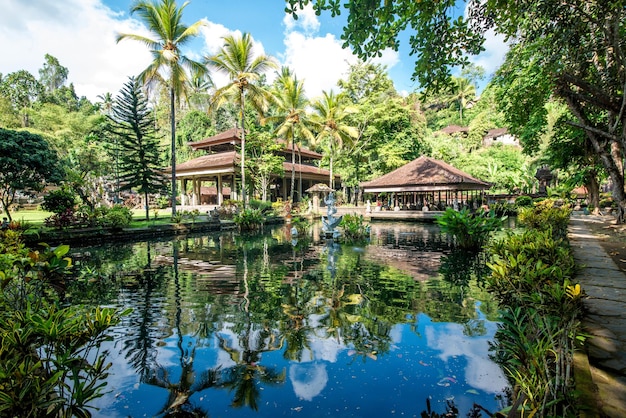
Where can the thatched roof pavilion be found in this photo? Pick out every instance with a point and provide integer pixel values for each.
(426, 181)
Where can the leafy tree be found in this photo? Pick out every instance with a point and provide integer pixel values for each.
(576, 49)
(390, 128)
(27, 162)
(167, 35)
(290, 115)
(236, 59)
(52, 75)
(132, 125)
(21, 89)
(265, 161)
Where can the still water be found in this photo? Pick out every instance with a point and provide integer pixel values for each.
(267, 325)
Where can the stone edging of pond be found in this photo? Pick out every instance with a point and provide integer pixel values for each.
(100, 235)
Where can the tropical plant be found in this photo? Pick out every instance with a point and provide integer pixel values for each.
(330, 113)
(236, 59)
(132, 126)
(354, 228)
(531, 276)
(470, 230)
(50, 358)
(290, 116)
(249, 219)
(546, 215)
(170, 67)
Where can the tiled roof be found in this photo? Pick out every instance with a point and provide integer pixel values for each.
(494, 133)
(232, 135)
(452, 129)
(228, 162)
(425, 171)
(214, 161)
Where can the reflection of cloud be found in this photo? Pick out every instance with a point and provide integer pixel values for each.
(308, 379)
(480, 372)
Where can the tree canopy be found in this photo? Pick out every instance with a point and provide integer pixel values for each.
(27, 162)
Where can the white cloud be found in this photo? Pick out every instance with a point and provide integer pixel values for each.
(307, 21)
(319, 61)
(493, 56)
(80, 34)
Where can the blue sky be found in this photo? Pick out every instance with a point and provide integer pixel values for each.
(81, 34)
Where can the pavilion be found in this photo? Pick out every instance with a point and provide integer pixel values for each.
(426, 184)
(216, 176)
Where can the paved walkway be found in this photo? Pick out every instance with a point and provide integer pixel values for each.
(605, 319)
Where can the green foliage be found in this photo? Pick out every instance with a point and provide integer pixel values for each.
(470, 230)
(59, 201)
(118, 217)
(531, 279)
(263, 206)
(249, 219)
(50, 362)
(354, 228)
(546, 215)
(523, 201)
(20, 170)
(132, 128)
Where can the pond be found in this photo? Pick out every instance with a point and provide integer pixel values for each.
(267, 325)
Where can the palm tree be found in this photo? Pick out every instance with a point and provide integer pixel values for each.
(169, 66)
(291, 118)
(463, 90)
(330, 114)
(236, 59)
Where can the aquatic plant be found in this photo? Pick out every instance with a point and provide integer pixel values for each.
(470, 230)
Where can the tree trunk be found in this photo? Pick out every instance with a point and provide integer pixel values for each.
(147, 206)
(293, 166)
(173, 148)
(594, 191)
(243, 148)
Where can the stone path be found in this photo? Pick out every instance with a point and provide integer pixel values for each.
(605, 319)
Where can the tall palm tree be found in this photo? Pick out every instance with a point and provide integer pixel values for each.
(237, 60)
(463, 91)
(290, 117)
(169, 68)
(330, 114)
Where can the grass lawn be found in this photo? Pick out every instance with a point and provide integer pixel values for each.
(36, 217)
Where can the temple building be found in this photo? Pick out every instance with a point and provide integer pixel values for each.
(216, 176)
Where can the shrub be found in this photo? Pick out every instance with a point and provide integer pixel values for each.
(354, 228)
(118, 217)
(249, 219)
(50, 363)
(59, 201)
(470, 230)
(545, 215)
(531, 275)
(262, 205)
(523, 201)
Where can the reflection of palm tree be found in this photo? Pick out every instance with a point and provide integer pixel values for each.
(244, 375)
(188, 384)
(247, 372)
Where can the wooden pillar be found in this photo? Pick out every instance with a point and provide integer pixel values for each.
(220, 194)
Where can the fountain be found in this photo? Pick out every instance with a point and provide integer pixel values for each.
(330, 221)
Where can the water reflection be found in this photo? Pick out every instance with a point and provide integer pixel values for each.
(225, 324)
